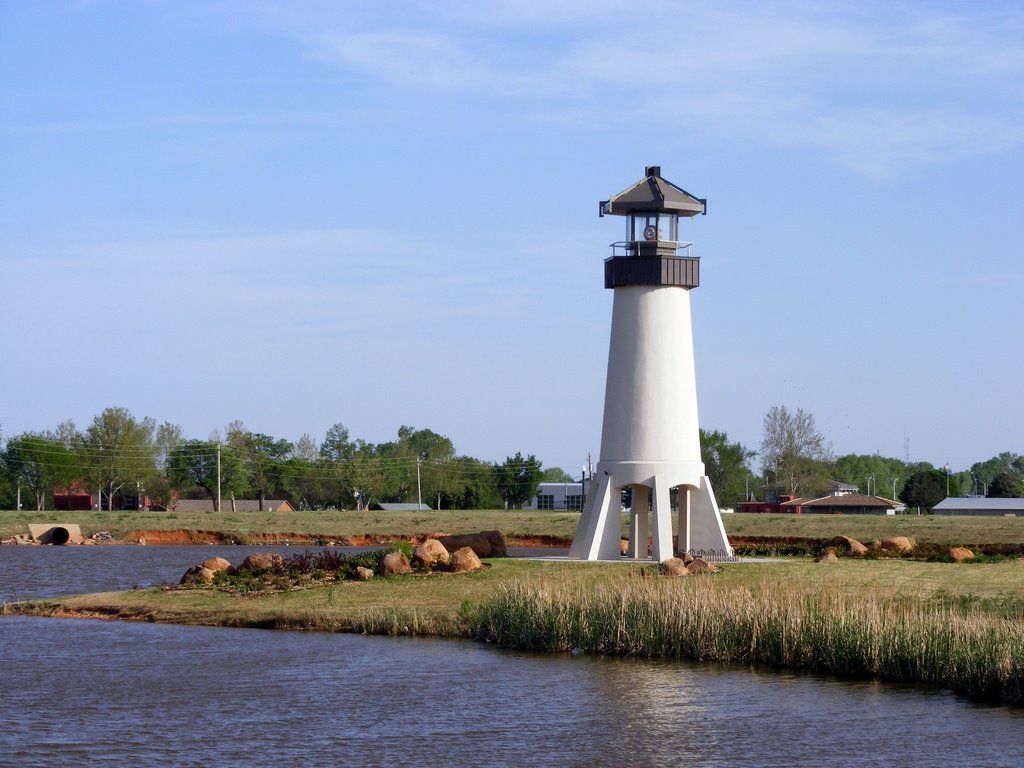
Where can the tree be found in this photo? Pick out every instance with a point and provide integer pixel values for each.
(264, 458)
(924, 488)
(336, 445)
(518, 479)
(556, 475)
(38, 462)
(725, 464)
(1005, 486)
(117, 450)
(194, 464)
(984, 472)
(882, 472)
(793, 451)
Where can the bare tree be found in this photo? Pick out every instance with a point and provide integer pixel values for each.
(793, 451)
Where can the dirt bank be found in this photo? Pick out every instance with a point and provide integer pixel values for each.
(312, 539)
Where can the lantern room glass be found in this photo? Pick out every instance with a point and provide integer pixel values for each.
(652, 226)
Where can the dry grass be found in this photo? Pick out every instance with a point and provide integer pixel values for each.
(928, 633)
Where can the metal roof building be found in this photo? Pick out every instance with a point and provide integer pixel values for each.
(979, 506)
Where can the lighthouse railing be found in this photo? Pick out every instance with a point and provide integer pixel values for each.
(628, 247)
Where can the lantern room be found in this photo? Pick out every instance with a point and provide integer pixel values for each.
(652, 208)
(652, 253)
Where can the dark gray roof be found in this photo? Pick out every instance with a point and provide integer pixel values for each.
(241, 505)
(976, 506)
(653, 193)
(413, 507)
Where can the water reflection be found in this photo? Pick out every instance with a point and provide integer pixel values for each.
(143, 694)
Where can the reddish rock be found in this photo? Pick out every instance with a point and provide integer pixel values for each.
(673, 567)
(623, 547)
(430, 554)
(197, 574)
(262, 561)
(217, 564)
(960, 554)
(900, 544)
(852, 546)
(394, 563)
(828, 556)
(464, 560)
(699, 565)
(484, 544)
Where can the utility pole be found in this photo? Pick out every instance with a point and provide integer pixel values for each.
(218, 477)
(419, 488)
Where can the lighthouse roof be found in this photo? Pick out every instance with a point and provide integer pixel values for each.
(653, 193)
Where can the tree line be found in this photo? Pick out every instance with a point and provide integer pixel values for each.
(123, 460)
(119, 457)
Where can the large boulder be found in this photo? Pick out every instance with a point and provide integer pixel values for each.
(216, 564)
(430, 554)
(848, 545)
(262, 561)
(900, 544)
(464, 560)
(197, 574)
(363, 573)
(484, 544)
(960, 554)
(828, 556)
(673, 567)
(393, 564)
(699, 565)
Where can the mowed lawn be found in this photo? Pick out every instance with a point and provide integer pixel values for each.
(516, 523)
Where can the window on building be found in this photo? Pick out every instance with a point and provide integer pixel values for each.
(574, 502)
(545, 501)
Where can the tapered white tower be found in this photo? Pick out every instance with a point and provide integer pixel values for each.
(650, 443)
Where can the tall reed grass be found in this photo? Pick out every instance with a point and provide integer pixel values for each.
(866, 634)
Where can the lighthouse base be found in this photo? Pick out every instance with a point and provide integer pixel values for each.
(599, 532)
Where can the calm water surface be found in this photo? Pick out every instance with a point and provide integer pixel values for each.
(78, 692)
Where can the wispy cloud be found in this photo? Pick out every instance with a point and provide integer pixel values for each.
(877, 88)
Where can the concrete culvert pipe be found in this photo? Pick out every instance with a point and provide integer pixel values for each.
(59, 535)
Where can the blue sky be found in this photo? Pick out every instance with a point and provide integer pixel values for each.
(300, 213)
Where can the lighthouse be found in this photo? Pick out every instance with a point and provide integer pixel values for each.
(650, 441)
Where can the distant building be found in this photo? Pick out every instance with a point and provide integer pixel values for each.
(980, 506)
(240, 505)
(396, 507)
(568, 496)
(844, 504)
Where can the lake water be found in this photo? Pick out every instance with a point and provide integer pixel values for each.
(78, 692)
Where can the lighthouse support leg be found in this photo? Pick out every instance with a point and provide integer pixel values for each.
(705, 533)
(639, 528)
(661, 512)
(599, 530)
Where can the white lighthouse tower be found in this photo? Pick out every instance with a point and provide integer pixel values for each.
(650, 442)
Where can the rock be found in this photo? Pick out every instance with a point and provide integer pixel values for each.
(900, 544)
(687, 558)
(262, 561)
(623, 547)
(218, 564)
(393, 564)
(960, 554)
(828, 556)
(484, 544)
(464, 560)
(430, 554)
(673, 567)
(196, 574)
(363, 574)
(699, 565)
(852, 546)
(142, 541)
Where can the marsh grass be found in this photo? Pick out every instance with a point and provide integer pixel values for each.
(867, 634)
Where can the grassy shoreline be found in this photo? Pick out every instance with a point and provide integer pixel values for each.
(943, 625)
(529, 527)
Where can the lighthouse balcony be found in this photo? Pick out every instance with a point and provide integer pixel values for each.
(655, 269)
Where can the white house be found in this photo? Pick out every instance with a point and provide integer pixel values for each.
(979, 506)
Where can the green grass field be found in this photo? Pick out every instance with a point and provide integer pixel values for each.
(939, 530)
